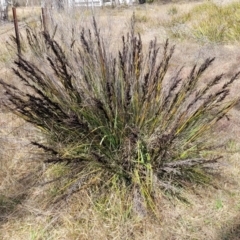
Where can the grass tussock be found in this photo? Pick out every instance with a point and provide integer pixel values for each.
(209, 22)
(113, 121)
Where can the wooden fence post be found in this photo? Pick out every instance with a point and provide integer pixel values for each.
(16, 30)
(44, 19)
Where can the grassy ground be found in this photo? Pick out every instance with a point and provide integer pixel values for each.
(213, 212)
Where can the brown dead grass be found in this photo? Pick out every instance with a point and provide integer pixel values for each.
(25, 13)
(213, 212)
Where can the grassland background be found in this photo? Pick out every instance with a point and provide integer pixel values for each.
(213, 211)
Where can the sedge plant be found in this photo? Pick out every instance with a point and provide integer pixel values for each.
(113, 119)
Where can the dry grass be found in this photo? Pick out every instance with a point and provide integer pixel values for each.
(207, 22)
(213, 212)
(26, 13)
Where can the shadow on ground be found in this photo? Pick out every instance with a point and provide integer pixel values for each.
(231, 231)
(9, 204)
